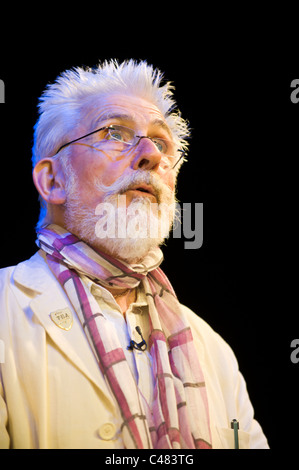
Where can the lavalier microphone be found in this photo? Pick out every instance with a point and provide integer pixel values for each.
(142, 346)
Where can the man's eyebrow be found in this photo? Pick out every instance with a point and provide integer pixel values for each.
(110, 116)
(162, 124)
(129, 118)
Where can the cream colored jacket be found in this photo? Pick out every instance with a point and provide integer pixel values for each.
(52, 393)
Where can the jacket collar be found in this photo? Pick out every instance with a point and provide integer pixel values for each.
(47, 296)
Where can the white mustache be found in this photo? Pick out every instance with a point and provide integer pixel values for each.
(125, 182)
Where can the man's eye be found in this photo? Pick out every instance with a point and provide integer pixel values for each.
(121, 134)
(161, 145)
(116, 135)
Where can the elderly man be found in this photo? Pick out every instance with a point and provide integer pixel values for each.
(99, 352)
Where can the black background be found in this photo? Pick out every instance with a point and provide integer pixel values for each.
(235, 92)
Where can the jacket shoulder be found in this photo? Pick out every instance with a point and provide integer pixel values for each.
(26, 276)
(8, 270)
(5, 275)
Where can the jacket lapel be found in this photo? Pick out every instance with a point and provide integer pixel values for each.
(47, 298)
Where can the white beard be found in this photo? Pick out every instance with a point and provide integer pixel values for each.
(124, 233)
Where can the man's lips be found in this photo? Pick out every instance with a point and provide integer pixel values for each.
(143, 188)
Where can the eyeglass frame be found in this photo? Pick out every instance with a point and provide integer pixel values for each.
(135, 145)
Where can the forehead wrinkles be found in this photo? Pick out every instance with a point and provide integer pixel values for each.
(135, 110)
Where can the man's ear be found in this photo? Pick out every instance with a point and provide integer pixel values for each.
(50, 181)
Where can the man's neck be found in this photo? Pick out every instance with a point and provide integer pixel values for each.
(124, 298)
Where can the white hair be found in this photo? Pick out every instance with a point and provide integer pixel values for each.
(62, 103)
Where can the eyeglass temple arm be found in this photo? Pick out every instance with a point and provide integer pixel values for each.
(183, 153)
(79, 138)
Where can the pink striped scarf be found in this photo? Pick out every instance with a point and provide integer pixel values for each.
(178, 417)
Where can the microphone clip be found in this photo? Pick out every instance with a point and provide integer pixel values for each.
(142, 346)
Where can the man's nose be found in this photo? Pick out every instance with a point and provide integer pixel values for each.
(147, 156)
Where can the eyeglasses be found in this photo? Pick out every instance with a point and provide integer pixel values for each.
(120, 138)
